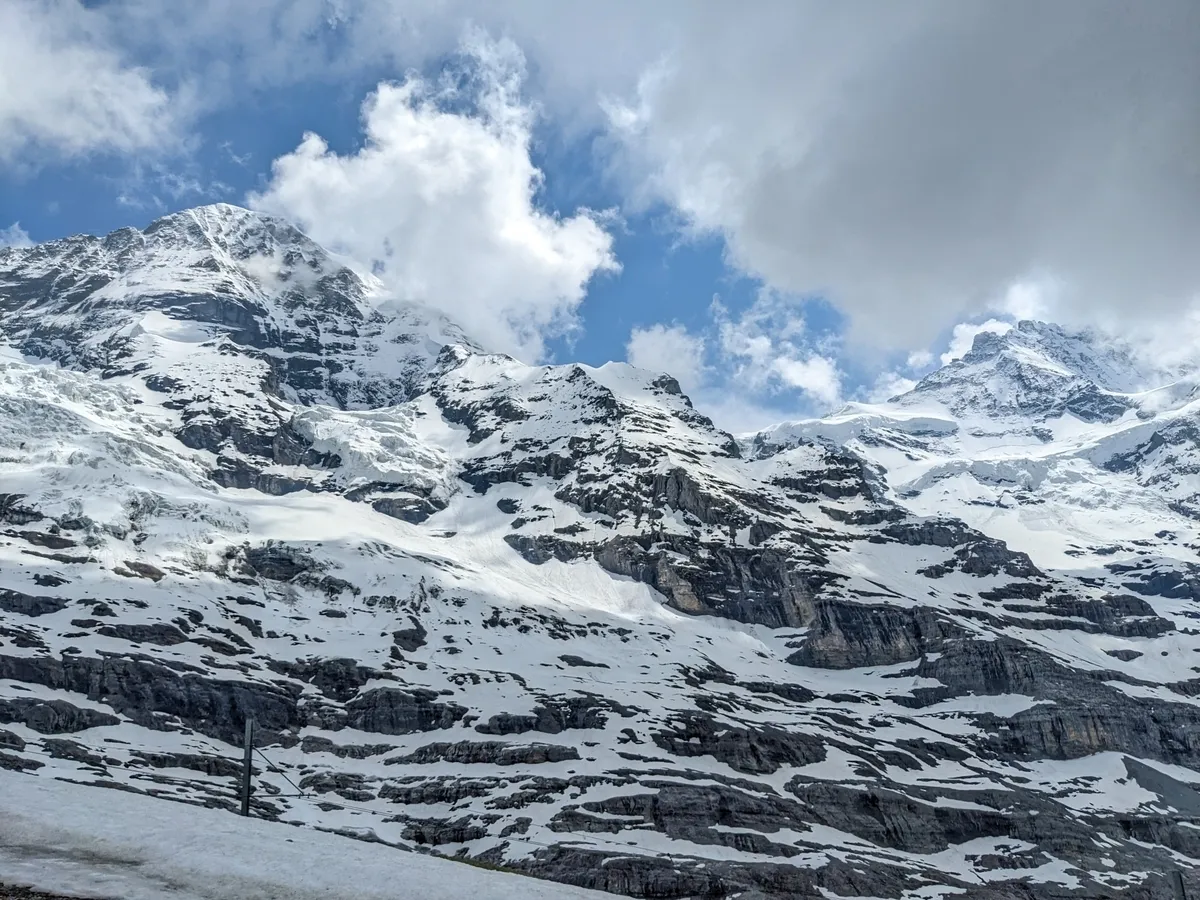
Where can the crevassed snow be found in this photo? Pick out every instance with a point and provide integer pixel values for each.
(378, 445)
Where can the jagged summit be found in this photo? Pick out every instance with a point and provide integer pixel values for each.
(240, 272)
(221, 227)
(1059, 439)
(218, 247)
(1106, 360)
(228, 284)
(1039, 370)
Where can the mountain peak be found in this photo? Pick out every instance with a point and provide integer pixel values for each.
(1038, 370)
(219, 215)
(226, 277)
(236, 240)
(1105, 360)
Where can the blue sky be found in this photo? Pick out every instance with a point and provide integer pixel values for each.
(787, 208)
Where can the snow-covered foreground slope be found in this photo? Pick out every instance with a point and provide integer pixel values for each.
(551, 618)
(62, 837)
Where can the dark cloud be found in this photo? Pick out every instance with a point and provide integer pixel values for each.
(915, 161)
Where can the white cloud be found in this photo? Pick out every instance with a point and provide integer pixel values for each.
(14, 236)
(441, 204)
(766, 348)
(234, 46)
(671, 349)
(910, 160)
(745, 392)
(812, 137)
(63, 88)
(1030, 299)
(1171, 347)
(889, 385)
(746, 369)
(964, 335)
(817, 376)
(919, 359)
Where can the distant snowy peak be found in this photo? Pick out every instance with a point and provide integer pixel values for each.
(854, 423)
(1106, 361)
(1039, 371)
(1011, 383)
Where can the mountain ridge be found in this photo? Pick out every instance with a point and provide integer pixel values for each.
(554, 618)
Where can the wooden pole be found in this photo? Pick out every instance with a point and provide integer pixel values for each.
(247, 765)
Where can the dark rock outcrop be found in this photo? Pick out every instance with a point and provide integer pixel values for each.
(338, 679)
(749, 750)
(156, 696)
(554, 715)
(28, 605)
(52, 716)
(848, 635)
(401, 711)
(494, 752)
(753, 585)
(160, 633)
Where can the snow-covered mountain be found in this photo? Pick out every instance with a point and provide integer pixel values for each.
(1037, 371)
(552, 618)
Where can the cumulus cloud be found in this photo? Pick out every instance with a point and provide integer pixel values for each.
(919, 359)
(1168, 348)
(817, 376)
(1030, 299)
(14, 236)
(668, 348)
(888, 385)
(749, 367)
(440, 202)
(741, 382)
(766, 348)
(66, 90)
(234, 45)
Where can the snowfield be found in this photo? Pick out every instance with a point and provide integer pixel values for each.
(69, 839)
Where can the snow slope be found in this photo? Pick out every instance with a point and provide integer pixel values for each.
(552, 618)
(61, 837)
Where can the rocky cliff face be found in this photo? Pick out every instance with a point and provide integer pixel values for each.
(552, 618)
